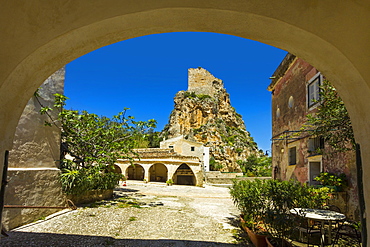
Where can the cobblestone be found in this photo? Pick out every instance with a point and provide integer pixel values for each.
(141, 214)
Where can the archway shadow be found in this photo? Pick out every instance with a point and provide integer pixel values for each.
(29, 239)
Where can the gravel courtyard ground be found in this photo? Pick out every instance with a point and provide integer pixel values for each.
(141, 214)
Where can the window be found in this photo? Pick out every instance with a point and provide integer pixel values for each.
(192, 148)
(278, 113)
(315, 144)
(291, 102)
(292, 156)
(314, 171)
(313, 90)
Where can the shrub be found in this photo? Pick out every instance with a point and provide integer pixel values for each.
(213, 165)
(188, 94)
(268, 202)
(247, 195)
(78, 181)
(203, 96)
(331, 179)
(256, 166)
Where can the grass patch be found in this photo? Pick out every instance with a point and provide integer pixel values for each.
(132, 218)
(42, 218)
(109, 242)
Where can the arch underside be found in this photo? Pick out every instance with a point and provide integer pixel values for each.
(332, 36)
(184, 175)
(158, 173)
(135, 172)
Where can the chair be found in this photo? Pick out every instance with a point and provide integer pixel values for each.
(349, 231)
(333, 208)
(305, 226)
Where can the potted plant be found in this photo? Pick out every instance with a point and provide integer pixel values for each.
(281, 197)
(249, 198)
(266, 204)
(169, 182)
(333, 181)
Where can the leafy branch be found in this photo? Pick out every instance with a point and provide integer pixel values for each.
(95, 143)
(332, 121)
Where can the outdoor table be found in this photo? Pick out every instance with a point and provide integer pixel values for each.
(320, 215)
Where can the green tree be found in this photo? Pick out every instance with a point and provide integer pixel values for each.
(153, 138)
(214, 165)
(95, 143)
(331, 121)
(256, 166)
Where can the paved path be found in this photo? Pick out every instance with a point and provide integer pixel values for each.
(142, 214)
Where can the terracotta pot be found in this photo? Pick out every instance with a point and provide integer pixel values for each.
(257, 239)
(285, 243)
(268, 242)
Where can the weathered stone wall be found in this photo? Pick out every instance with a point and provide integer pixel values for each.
(291, 82)
(200, 81)
(31, 187)
(217, 177)
(184, 147)
(36, 145)
(344, 162)
(284, 118)
(91, 196)
(34, 160)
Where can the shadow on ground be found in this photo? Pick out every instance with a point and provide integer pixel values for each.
(125, 190)
(23, 239)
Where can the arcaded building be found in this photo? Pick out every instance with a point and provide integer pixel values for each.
(177, 159)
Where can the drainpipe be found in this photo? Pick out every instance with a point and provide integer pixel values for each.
(3, 185)
(360, 188)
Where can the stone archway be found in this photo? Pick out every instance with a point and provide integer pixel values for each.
(158, 173)
(184, 175)
(135, 172)
(117, 169)
(332, 36)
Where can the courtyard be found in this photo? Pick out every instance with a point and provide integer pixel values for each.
(141, 214)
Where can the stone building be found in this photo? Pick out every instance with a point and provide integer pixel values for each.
(295, 93)
(201, 81)
(34, 160)
(177, 159)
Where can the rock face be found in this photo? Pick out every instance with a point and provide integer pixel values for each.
(203, 113)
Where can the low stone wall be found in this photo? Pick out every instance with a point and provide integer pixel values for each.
(31, 187)
(91, 196)
(217, 177)
(347, 207)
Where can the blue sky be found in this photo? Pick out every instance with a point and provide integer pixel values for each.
(145, 73)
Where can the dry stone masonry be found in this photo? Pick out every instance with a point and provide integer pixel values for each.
(204, 114)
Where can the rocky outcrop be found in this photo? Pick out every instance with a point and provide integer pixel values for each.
(204, 114)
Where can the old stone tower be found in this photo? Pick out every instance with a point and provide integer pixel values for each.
(200, 81)
(204, 114)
